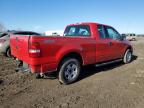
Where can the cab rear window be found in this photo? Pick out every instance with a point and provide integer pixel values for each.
(78, 30)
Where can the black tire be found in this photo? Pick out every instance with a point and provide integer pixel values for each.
(8, 52)
(127, 56)
(38, 76)
(69, 71)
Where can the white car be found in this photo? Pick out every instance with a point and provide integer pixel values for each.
(131, 37)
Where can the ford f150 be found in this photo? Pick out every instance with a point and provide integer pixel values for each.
(82, 44)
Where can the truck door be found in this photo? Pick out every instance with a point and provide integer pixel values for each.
(115, 43)
(104, 45)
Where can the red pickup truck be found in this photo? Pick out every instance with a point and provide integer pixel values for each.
(82, 44)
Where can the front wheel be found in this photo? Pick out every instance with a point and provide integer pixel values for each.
(127, 56)
(69, 70)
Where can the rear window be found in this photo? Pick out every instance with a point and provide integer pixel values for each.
(78, 30)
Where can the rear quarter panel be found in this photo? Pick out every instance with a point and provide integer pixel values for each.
(53, 49)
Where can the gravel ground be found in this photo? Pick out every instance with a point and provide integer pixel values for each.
(111, 86)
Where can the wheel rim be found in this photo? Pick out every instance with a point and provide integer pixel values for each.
(129, 56)
(71, 71)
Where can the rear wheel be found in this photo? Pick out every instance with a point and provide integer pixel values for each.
(127, 56)
(69, 70)
(38, 76)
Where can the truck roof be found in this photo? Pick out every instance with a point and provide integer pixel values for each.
(87, 23)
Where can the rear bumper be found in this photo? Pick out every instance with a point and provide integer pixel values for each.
(44, 68)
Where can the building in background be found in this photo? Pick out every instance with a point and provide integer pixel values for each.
(54, 33)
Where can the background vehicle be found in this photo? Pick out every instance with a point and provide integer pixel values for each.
(5, 44)
(82, 44)
(131, 37)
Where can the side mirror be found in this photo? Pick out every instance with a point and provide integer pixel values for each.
(123, 37)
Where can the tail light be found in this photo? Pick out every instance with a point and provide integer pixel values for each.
(2, 40)
(34, 50)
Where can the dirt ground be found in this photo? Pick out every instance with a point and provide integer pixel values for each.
(112, 86)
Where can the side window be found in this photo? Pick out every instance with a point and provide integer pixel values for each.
(101, 31)
(113, 34)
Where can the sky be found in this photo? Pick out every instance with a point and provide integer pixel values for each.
(127, 16)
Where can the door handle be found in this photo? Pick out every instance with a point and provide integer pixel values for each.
(110, 43)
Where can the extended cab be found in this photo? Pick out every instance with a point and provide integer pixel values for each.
(82, 44)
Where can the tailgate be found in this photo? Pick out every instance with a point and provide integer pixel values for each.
(19, 46)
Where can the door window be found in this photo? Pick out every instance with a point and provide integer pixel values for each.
(112, 33)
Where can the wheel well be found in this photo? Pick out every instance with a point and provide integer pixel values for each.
(130, 49)
(71, 55)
